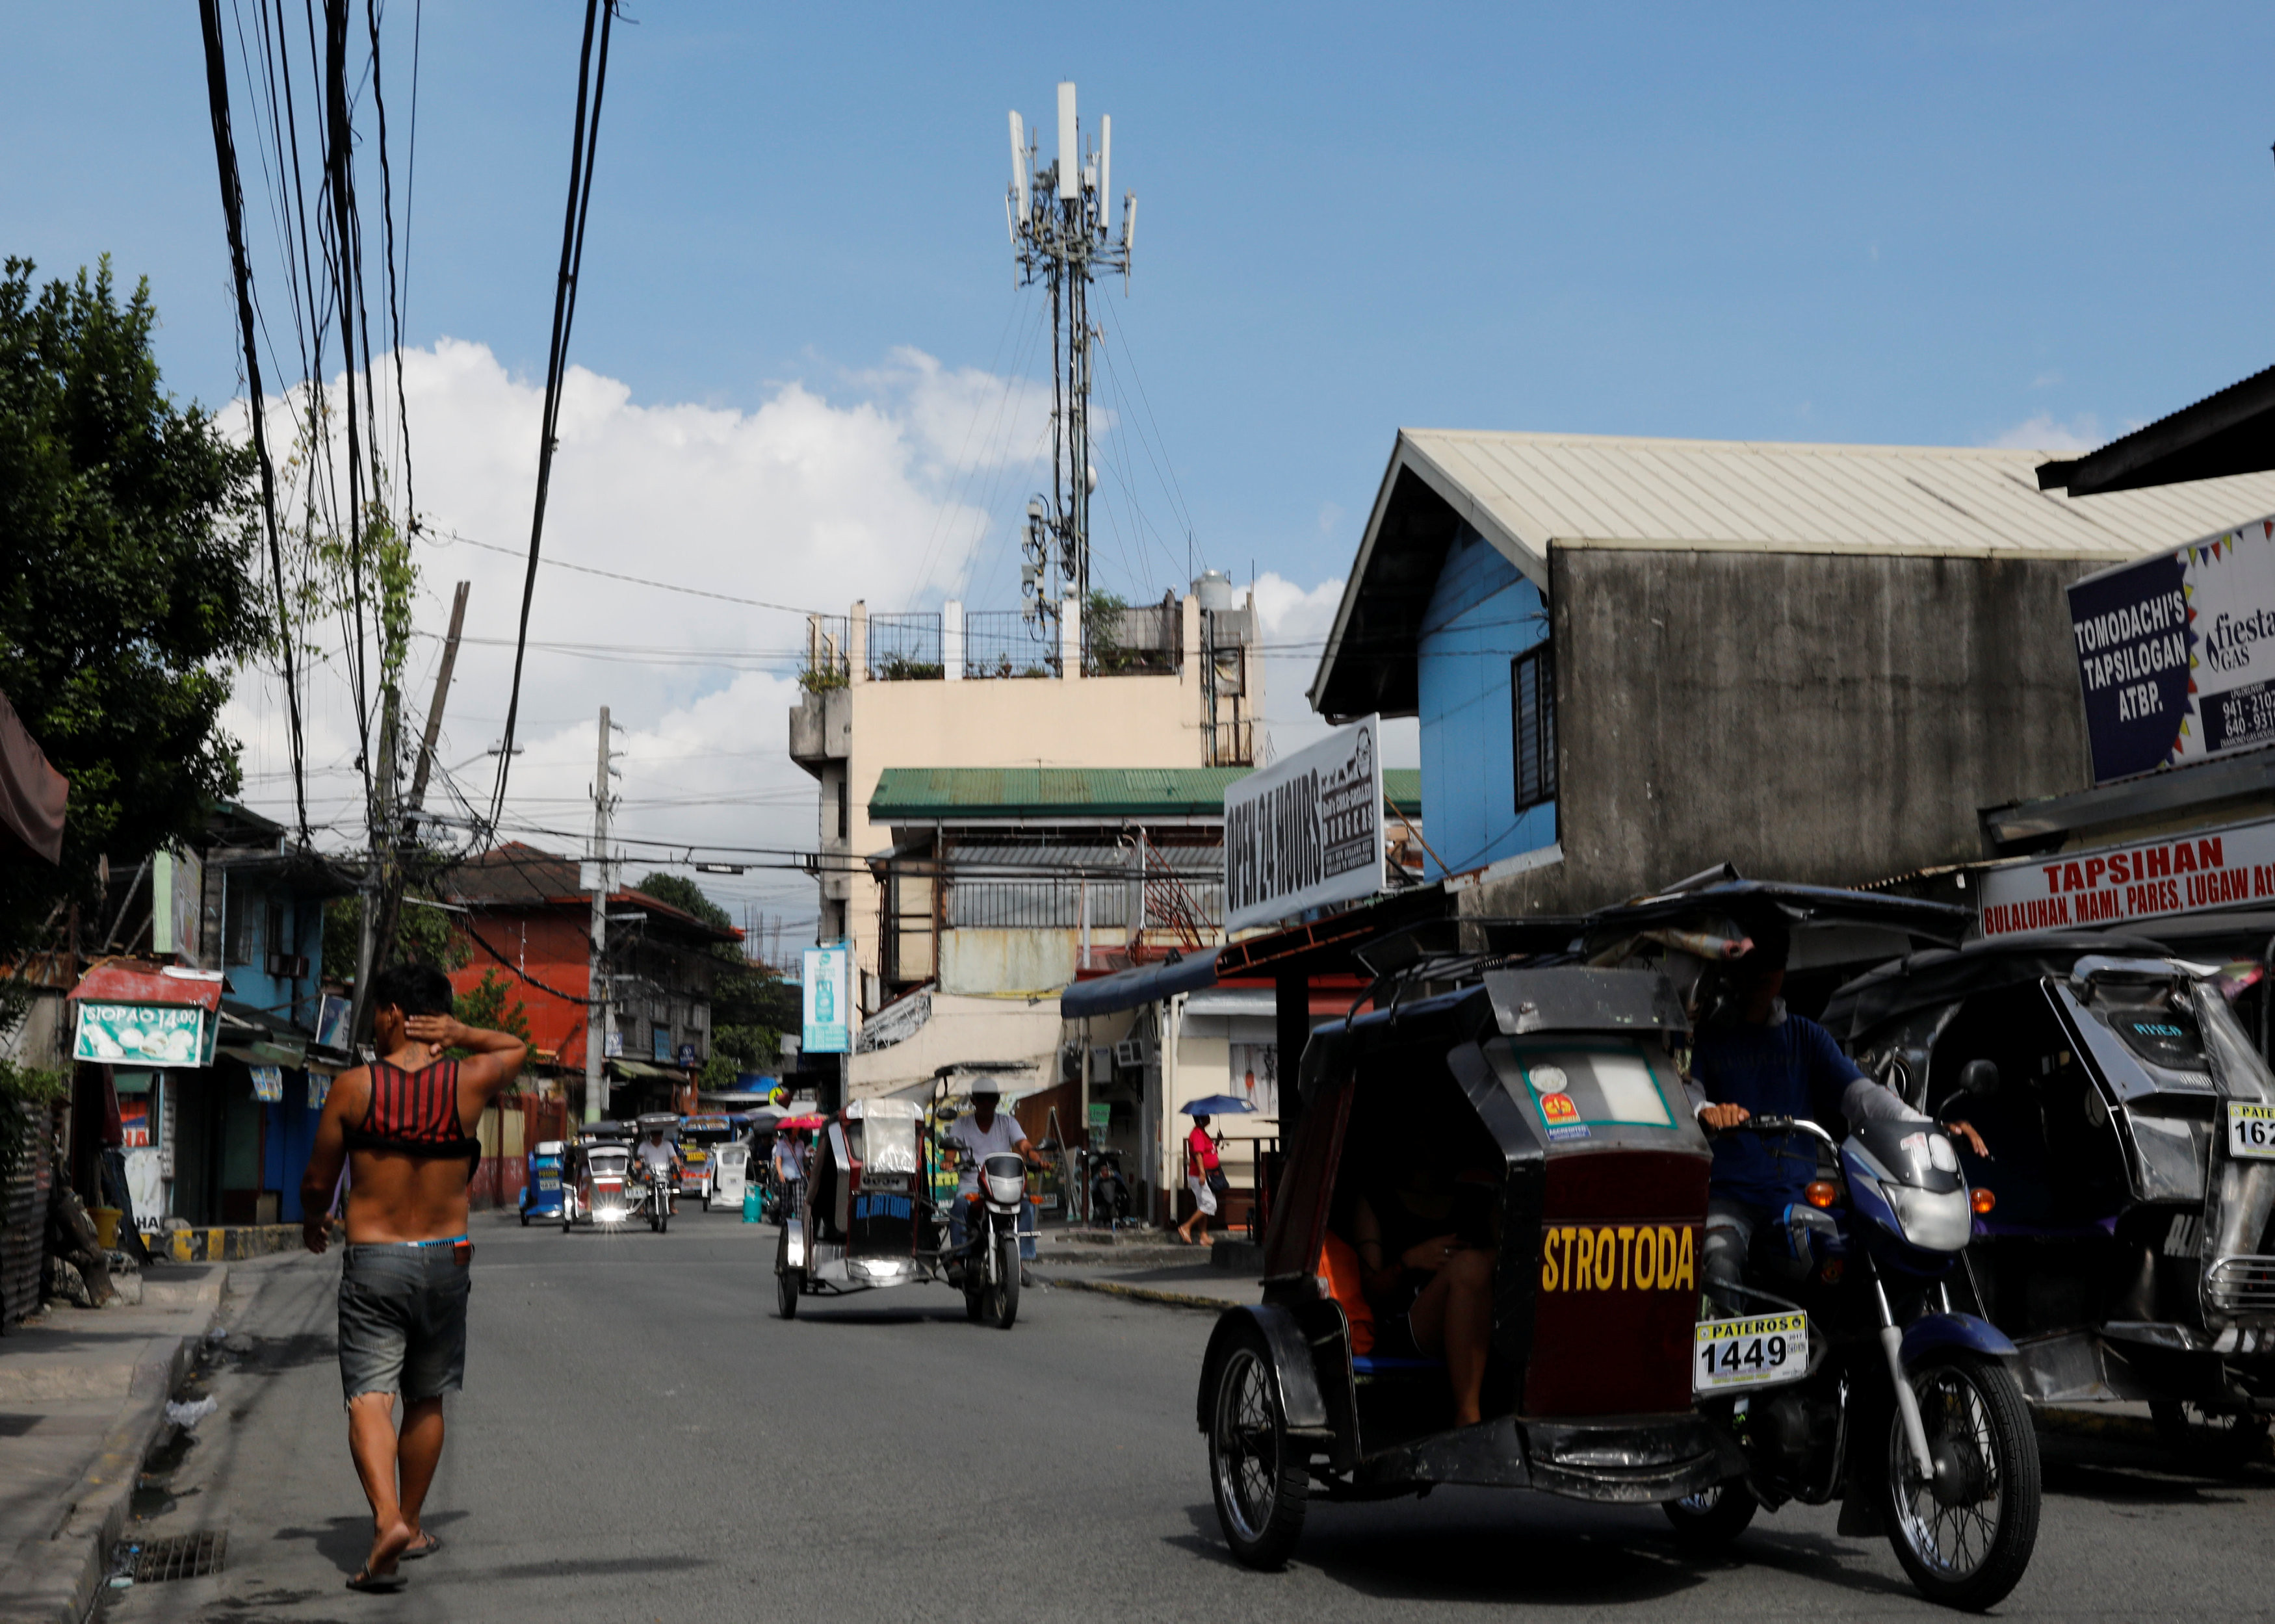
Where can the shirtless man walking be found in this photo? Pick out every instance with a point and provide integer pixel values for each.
(402, 1126)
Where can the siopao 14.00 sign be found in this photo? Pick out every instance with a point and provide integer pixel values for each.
(2176, 653)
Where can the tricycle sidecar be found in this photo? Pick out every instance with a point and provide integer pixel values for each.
(1538, 1117)
(2129, 1248)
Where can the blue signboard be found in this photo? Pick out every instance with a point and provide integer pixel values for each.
(2176, 653)
(827, 994)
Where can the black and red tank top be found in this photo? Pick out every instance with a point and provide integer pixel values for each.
(414, 1114)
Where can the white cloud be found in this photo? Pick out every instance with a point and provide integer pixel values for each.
(805, 500)
(2043, 432)
(1292, 626)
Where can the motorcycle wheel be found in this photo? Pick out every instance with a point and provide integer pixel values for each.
(2207, 1443)
(1712, 1517)
(1003, 1295)
(1964, 1536)
(1259, 1490)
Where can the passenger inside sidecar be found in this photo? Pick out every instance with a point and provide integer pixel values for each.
(1417, 1203)
(2066, 1242)
(1412, 1238)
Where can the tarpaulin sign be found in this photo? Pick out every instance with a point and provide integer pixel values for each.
(2176, 653)
(2149, 880)
(268, 1083)
(142, 1034)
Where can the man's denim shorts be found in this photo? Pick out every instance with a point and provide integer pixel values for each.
(403, 1319)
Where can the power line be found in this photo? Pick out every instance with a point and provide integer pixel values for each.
(583, 145)
(613, 575)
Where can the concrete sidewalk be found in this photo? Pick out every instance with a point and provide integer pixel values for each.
(1183, 1283)
(83, 1398)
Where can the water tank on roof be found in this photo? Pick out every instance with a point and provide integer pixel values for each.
(1213, 588)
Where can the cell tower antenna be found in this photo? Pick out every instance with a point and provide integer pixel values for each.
(1061, 236)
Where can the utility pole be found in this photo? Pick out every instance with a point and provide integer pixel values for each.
(442, 692)
(394, 835)
(599, 1009)
(1059, 220)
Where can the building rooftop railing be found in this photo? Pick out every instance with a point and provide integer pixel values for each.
(905, 648)
(1005, 643)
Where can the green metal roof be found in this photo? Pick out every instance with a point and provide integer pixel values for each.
(925, 794)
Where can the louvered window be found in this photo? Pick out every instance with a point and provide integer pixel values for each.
(1532, 691)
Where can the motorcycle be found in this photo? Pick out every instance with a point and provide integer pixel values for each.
(1864, 1384)
(1107, 1191)
(986, 1266)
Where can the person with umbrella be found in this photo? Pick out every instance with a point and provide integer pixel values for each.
(1204, 1169)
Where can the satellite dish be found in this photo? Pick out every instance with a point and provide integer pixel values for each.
(1093, 467)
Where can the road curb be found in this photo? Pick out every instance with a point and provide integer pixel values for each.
(1143, 1294)
(56, 1579)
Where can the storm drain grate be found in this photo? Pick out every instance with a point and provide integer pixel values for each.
(183, 1556)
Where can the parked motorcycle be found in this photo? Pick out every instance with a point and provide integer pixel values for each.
(1864, 1384)
(1107, 1191)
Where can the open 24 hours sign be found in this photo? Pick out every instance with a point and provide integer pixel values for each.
(2149, 880)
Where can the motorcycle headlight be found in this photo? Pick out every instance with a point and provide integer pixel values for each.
(1932, 1222)
(1005, 1191)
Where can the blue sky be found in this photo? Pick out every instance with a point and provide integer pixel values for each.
(1903, 224)
(1928, 223)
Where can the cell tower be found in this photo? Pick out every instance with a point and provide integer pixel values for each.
(1061, 235)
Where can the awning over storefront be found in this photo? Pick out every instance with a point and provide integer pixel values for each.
(1146, 983)
(260, 1039)
(135, 1014)
(2230, 433)
(643, 1071)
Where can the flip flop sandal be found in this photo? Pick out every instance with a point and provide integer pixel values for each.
(376, 1584)
(427, 1545)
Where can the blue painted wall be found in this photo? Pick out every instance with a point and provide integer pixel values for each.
(291, 1124)
(1482, 614)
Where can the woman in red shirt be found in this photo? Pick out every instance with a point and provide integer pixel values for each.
(1203, 1176)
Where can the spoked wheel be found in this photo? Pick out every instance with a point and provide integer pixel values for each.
(2203, 1442)
(1965, 1535)
(1003, 1295)
(1712, 1517)
(1259, 1487)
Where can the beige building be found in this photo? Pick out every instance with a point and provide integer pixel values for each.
(1169, 684)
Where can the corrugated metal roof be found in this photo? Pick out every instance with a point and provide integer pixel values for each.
(1528, 492)
(1524, 491)
(926, 794)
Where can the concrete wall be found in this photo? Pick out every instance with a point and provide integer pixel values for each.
(1008, 961)
(1830, 719)
(964, 1029)
(1482, 614)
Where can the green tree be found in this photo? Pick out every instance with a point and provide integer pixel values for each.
(126, 530)
(491, 1007)
(751, 1005)
(422, 936)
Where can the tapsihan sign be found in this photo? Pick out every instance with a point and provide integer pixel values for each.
(2176, 653)
(2151, 879)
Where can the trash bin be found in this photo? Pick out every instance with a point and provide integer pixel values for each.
(106, 1225)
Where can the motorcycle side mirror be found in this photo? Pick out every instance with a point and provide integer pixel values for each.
(1978, 1078)
(1046, 1146)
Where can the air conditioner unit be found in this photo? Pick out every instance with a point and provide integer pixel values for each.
(288, 967)
(1129, 1051)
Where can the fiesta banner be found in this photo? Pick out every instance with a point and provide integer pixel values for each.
(2150, 879)
(2176, 653)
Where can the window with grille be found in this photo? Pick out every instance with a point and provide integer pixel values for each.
(1532, 694)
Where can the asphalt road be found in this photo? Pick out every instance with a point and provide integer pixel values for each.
(641, 1438)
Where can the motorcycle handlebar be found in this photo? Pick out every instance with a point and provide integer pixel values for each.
(1782, 1124)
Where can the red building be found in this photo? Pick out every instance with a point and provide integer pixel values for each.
(528, 921)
